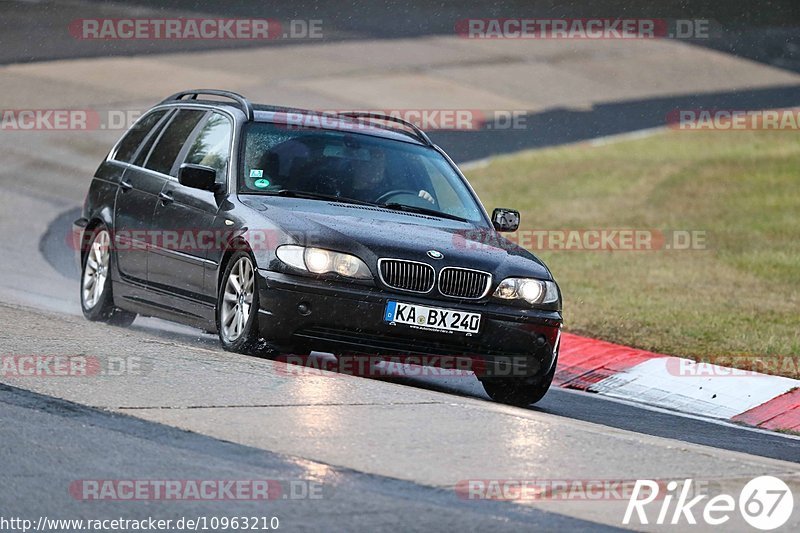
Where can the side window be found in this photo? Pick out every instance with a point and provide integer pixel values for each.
(166, 150)
(127, 147)
(212, 145)
(447, 197)
(148, 143)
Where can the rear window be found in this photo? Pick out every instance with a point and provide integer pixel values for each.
(127, 147)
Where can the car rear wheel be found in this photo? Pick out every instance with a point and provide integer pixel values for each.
(237, 305)
(519, 391)
(97, 301)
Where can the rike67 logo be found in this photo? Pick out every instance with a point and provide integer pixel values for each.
(765, 503)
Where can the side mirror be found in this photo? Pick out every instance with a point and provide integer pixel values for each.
(505, 219)
(198, 177)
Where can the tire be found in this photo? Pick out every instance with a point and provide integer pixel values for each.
(237, 305)
(521, 392)
(97, 300)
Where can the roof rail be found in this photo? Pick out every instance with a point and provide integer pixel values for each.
(244, 104)
(415, 131)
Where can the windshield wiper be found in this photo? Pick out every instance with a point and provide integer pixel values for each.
(421, 210)
(318, 196)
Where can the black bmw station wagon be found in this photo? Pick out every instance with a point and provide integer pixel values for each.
(290, 231)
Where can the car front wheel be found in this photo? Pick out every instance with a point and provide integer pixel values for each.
(97, 301)
(519, 391)
(237, 305)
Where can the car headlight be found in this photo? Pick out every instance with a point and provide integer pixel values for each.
(533, 291)
(321, 261)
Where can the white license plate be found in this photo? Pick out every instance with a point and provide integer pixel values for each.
(435, 318)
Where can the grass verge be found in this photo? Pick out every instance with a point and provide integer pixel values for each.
(738, 299)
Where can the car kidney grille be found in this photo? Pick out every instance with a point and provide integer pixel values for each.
(464, 283)
(406, 275)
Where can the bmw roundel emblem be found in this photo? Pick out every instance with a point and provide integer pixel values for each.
(434, 254)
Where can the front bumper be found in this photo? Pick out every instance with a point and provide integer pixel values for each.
(307, 314)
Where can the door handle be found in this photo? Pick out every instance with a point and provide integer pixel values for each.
(166, 198)
(125, 186)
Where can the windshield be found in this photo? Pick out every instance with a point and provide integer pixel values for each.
(353, 167)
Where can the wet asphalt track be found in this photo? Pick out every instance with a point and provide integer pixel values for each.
(37, 429)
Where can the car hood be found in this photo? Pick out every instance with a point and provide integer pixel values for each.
(372, 233)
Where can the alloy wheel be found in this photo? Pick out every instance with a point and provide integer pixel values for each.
(95, 272)
(237, 300)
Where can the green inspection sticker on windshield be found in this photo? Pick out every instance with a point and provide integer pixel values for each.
(261, 184)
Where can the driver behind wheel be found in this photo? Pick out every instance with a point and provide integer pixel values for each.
(369, 179)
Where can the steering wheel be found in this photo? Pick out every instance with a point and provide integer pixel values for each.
(396, 192)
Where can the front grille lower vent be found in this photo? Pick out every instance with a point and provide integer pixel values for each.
(406, 275)
(464, 283)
